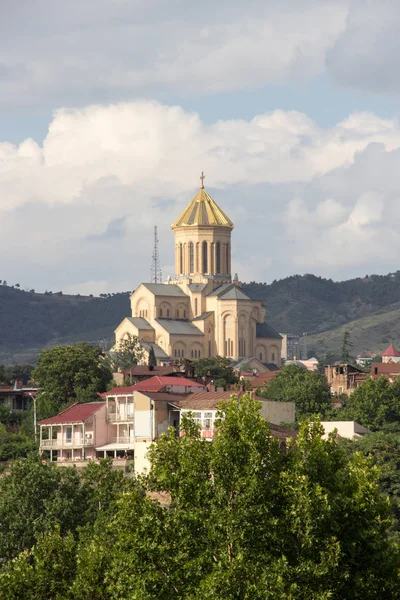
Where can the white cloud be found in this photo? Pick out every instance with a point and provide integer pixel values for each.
(365, 55)
(82, 50)
(81, 207)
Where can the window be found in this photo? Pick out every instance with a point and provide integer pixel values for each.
(218, 257)
(180, 259)
(209, 348)
(273, 357)
(227, 258)
(177, 314)
(160, 312)
(205, 258)
(184, 314)
(167, 313)
(261, 356)
(191, 257)
(69, 434)
(195, 307)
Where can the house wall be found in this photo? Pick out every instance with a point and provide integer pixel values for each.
(141, 462)
(346, 429)
(278, 412)
(143, 418)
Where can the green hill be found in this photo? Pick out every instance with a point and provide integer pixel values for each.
(369, 307)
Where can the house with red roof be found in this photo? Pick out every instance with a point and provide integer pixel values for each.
(75, 432)
(391, 355)
(131, 418)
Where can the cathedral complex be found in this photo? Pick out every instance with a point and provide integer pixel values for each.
(202, 312)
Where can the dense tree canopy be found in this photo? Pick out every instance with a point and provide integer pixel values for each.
(230, 519)
(375, 403)
(307, 389)
(218, 368)
(70, 373)
(128, 353)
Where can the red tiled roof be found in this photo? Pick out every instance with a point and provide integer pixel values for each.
(145, 370)
(391, 351)
(157, 383)
(74, 414)
(263, 378)
(119, 390)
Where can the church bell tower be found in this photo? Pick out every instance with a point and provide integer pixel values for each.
(203, 241)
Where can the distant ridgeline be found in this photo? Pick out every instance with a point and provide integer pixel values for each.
(297, 304)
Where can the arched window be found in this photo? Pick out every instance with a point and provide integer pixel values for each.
(195, 307)
(218, 258)
(205, 258)
(191, 257)
(273, 357)
(160, 312)
(181, 259)
(227, 258)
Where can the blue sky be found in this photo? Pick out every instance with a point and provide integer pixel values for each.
(110, 111)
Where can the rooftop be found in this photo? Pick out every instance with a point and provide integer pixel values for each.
(391, 351)
(202, 210)
(179, 327)
(165, 289)
(263, 330)
(157, 383)
(139, 322)
(76, 413)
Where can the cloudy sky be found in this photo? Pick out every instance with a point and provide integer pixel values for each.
(110, 109)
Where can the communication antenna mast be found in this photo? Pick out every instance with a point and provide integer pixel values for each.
(155, 272)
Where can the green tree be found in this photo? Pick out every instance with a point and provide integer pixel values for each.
(128, 353)
(219, 368)
(375, 403)
(152, 358)
(307, 389)
(384, 450)
(245, 521)
(70, 373)
(34, 497)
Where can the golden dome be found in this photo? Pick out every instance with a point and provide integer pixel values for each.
(202, 211)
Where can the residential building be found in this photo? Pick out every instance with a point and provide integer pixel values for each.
(290, 346)
(202, 312)
(132, 417)
(344, 378)
(73, 434)
(345, 429)
(364, 359)
(391, 355)
(17, 396)
(390, 370)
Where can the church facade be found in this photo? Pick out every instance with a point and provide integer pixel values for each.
(202, 312)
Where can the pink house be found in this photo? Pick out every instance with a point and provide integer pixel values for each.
(75, 432)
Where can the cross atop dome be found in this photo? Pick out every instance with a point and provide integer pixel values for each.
(202, 177)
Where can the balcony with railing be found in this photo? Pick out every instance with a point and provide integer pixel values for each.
(122, 439)
(65, 442)
(120, 416)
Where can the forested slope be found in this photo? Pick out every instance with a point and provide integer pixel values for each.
(297, 304)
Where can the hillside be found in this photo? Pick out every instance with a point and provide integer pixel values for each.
(369, 307)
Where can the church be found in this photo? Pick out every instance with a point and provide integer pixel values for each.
(202, 312)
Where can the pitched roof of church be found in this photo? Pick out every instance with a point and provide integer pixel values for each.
(159, 353)
(139, 322)
(179, 327)
(202, 211)
(263, 330)
(229, 291)
(203, 316)
(164, 289)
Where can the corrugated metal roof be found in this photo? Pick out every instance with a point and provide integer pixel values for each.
(177, 327)
(202, 210)
(74, 414)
